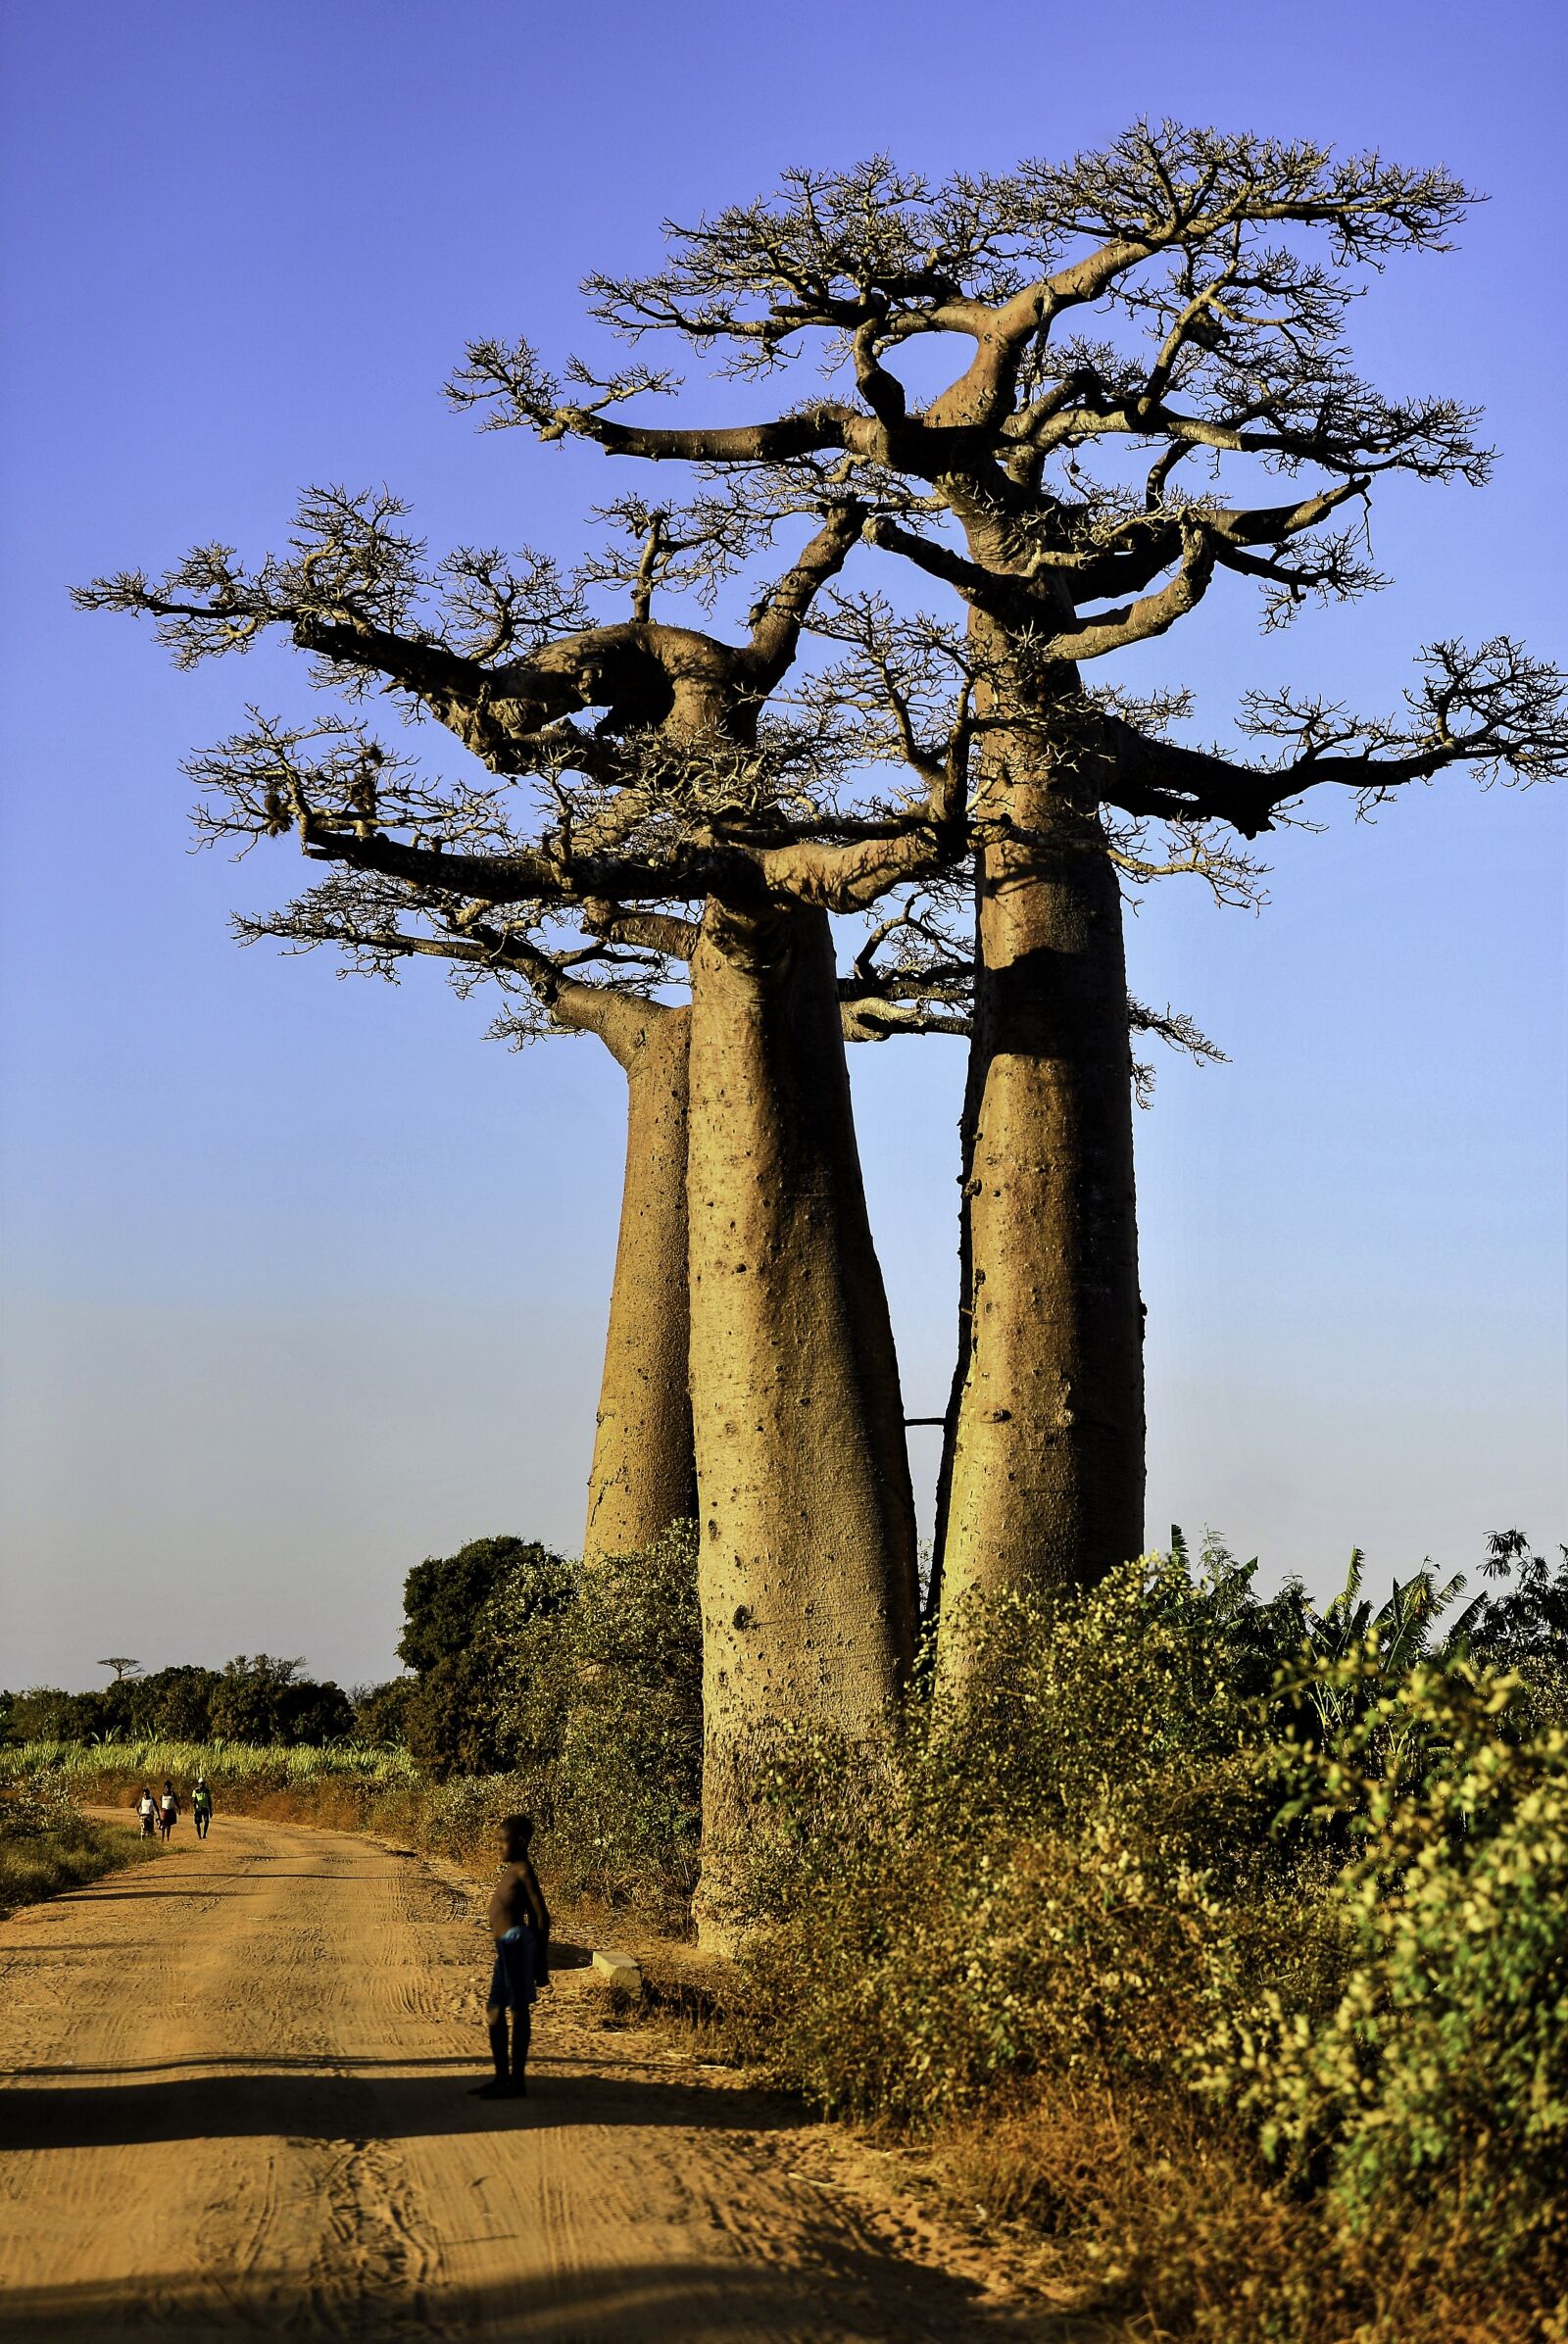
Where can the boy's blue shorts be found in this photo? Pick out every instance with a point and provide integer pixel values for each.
(513, 1979)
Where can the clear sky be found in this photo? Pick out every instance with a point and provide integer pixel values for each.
(302, 1280)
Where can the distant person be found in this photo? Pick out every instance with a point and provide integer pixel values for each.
(201, 1806)
(168, 1808)
(147, 1809)
(520, 1923)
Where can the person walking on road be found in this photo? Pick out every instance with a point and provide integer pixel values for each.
(147, 1809)
(201, 1807)
(520, 1923)
(168, 1808)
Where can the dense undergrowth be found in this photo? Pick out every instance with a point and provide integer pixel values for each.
(1221, 1944)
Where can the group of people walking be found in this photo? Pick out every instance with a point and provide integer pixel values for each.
(161, 1814)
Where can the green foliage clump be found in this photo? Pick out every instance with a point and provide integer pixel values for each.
(1523, 1628)
(449, 1719)
(35, 1803)
(1229, 1937)
(597, 1706)
(1061, 1865)
(1438, 2085)
(381, 1712)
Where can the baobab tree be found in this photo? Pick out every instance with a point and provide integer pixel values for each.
(1179, 299)
(683, 793)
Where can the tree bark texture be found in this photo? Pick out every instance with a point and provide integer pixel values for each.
(1044, 1481)
(644, 1474)
(808, 1552)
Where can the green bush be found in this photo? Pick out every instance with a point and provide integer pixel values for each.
(449, 1720)
(381, 1712)
(1523, 1628)
(597, 1707)
(35, 1803)
(1229, 1937)
(1062, 1866)
(1437, 2086)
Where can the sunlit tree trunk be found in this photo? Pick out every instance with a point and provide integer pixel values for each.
(644, 1474)
(807, 1551)
(1044, 1479)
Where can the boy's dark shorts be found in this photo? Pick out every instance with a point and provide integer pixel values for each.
(512, 1981)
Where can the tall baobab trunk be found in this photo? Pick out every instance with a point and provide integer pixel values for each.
(807, 1549)
(644, 1474)
(1044, 1477)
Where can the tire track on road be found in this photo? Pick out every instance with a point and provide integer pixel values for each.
(236, 2099)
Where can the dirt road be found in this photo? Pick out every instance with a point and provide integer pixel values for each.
(235, 2101)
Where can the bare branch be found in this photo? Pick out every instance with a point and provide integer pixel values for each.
(1114, 630)
(1494, 709)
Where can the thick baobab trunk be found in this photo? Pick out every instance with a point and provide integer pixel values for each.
(1044, 1481)
(644, 1474)
(807, 1550)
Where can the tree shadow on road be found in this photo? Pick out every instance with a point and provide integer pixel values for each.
(857, 2296)
(307, 2104)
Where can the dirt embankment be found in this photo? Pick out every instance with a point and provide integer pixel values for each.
(235, 2101)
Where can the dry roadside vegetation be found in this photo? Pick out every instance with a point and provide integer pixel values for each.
(46, 1842)
(1223, 1962)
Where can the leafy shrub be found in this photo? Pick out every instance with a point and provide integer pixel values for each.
(597, 1708)
(36, 1801)
(381, 1712)
(1523, 1628)
(46, 1843)
(449, 1719)
(1437, 2086)
(1227, 1940)
(1062, 1864)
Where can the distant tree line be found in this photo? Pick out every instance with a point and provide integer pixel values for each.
(495, 1635)
(255, 1698)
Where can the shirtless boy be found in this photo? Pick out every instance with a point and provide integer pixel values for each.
(520, 1923)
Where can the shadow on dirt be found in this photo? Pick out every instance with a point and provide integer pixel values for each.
(307, 2104)
(854, 2296)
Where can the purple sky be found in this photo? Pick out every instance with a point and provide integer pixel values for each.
(303, 1281)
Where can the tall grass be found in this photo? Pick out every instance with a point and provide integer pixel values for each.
(345, 1787)
(237, 1766)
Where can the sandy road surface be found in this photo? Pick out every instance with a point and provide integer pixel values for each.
(234, 2100)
